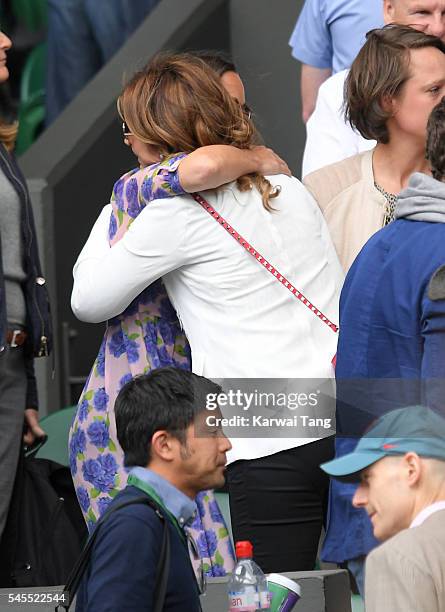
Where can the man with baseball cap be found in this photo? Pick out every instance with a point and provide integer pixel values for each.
(400, 466)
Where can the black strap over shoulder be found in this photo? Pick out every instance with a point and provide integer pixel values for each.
(162, 571)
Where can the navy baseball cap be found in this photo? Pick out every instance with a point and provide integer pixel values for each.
(415, 429)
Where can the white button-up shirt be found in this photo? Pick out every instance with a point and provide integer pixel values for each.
(239, 320)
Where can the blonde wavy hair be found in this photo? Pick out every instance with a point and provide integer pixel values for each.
(8, 134)
(176, 103)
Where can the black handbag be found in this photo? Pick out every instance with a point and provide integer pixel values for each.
(162, 571)
(45, 529)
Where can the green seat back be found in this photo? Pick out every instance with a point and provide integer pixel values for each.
(57, 426)
(357, 604)
(33, 75)
(32, 99)
(33, 14)
(31, 120)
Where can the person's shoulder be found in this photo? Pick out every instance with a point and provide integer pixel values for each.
(328, 182)
(137, 508)
(290, 187)
(414, 545)
(392, 553)
(284, 181)
(332, 88)
(123, 179)
(431, 529)
(145, 174)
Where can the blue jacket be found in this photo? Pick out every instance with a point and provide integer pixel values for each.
(391, 350)
(124, 560)
(38, 324)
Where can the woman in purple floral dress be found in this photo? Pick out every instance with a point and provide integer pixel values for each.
(145, 336)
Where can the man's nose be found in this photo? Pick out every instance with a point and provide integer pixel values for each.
(437, 27)
(226, 445)
(360, 498)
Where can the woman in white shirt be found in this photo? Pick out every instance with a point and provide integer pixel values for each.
(240, 322)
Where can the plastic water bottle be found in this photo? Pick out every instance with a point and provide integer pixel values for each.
(247, 585)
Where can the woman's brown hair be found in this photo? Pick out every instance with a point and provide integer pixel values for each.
(176, 103)
(8, 134)
(378, 74)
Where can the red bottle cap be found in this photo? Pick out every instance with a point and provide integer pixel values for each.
(244, 550)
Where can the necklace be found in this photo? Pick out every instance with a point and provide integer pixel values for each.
(390, 208)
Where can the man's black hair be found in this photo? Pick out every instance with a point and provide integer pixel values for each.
(166, 399)
(218, 61)
(435, 141)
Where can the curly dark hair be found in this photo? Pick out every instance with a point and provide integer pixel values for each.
(435, 141)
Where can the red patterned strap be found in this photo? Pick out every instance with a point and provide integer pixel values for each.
(263, 261)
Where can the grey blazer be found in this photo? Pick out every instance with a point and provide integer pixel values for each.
(407, 572)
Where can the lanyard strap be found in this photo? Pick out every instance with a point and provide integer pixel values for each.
(263, 261)
(186, 538)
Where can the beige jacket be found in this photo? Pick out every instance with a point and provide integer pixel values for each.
(407, 572)
(353, 208)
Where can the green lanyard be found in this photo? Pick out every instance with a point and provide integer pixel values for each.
(146, 488)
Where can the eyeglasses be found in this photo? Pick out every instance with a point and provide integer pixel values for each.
(247, 110)
(125, 130)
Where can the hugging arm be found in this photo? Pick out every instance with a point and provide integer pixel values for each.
(213, 166)
(205, 168)
(107, 279)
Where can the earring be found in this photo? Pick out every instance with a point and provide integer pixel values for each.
(161, 156)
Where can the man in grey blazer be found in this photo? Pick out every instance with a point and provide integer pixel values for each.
(400, 465)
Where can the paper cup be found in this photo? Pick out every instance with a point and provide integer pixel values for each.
(284, 593)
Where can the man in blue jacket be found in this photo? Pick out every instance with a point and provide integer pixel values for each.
(173, 454)
(391, 350)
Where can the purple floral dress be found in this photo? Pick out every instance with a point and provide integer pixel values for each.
(145, 336)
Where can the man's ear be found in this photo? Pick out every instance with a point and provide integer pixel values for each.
(413, 468)
(163, 446)
(388, 11)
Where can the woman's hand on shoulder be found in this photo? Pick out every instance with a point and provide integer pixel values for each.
(269, 163)
(214, 165)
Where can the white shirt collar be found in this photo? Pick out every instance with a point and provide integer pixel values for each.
(427, 512)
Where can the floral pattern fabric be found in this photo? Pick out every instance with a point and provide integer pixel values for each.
(147, 335)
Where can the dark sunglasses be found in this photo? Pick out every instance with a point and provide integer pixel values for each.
(125, 130)
(247, 110)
